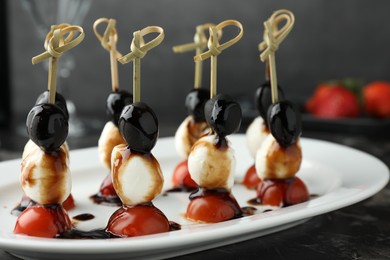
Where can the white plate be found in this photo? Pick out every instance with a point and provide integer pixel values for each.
(340, 176)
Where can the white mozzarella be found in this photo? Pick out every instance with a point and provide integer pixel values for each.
(137, 178)
(212, 167)
(255, 135)
(109, 138)
(45, 177)
(187, 134)
(272, 161)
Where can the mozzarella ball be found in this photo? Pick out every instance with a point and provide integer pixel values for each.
(137, 178)
(256, 134)
(31, 146)
(187, 134)
(45, 177)
(274, 161)
(211, 166)
(109, 138)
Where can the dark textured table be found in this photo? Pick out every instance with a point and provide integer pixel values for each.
(360, 231)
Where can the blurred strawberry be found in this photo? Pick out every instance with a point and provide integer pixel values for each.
(333, 101)
(377, 99)
(341, 103)
(322, 92)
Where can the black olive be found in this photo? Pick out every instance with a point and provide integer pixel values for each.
(223, 114)
(60, 101)
(47, 126)
(263, 98)
(116, 101)
(138, 125)
(195, 101)
(284, 121)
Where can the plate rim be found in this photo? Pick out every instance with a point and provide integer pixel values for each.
(161, 241)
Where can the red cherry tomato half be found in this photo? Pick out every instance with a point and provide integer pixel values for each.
(210, 209)
(107, 188)
(40, 221)
(181, 176)
(137, 221)
(297, 192)
(69, 204)
(282, 192)
(251, 180)
(273, 196)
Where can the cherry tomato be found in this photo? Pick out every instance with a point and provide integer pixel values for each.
(282, 192)
(210, 209)
(296, 193)
(69, 204)
(181, 176)
(273, 196)
(107, 188)
(42, 221)
(137, 221)
(251, 180)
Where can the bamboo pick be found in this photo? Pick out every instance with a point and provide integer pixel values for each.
(53, 68)
(109, 42)
(139, 49)
(137, 71)
(60, 39)
(273, 37)
(215, 48)
(199, 44)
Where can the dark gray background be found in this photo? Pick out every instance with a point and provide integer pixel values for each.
(331, 39)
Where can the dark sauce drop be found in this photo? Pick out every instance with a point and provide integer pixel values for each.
(173, 226)
(93, 234)
(248, 211)
(102, 233)
(84, 217)
(25, 202)
(314, 196)
(107, 195)
(106, 200)
(255, 201)
(181, 188)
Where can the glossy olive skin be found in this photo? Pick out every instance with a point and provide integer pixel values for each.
(263, 98)
(285, 123)
(223, 114)
(47, 126)
(138, 125)
(195, 101)
(60, 101)
(116, 101)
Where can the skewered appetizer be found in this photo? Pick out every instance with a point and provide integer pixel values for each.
(258, 130)
(280, 156)
(45, 176)
(117, 99)
(136, 174)
(194, 126)
(211, 162)
(31, 146)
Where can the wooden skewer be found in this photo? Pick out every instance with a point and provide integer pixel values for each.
(139, 49)
(55, 45)
(199, 44)
(273, 37)
(53, 68)
(109, 41)
(215, 48)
